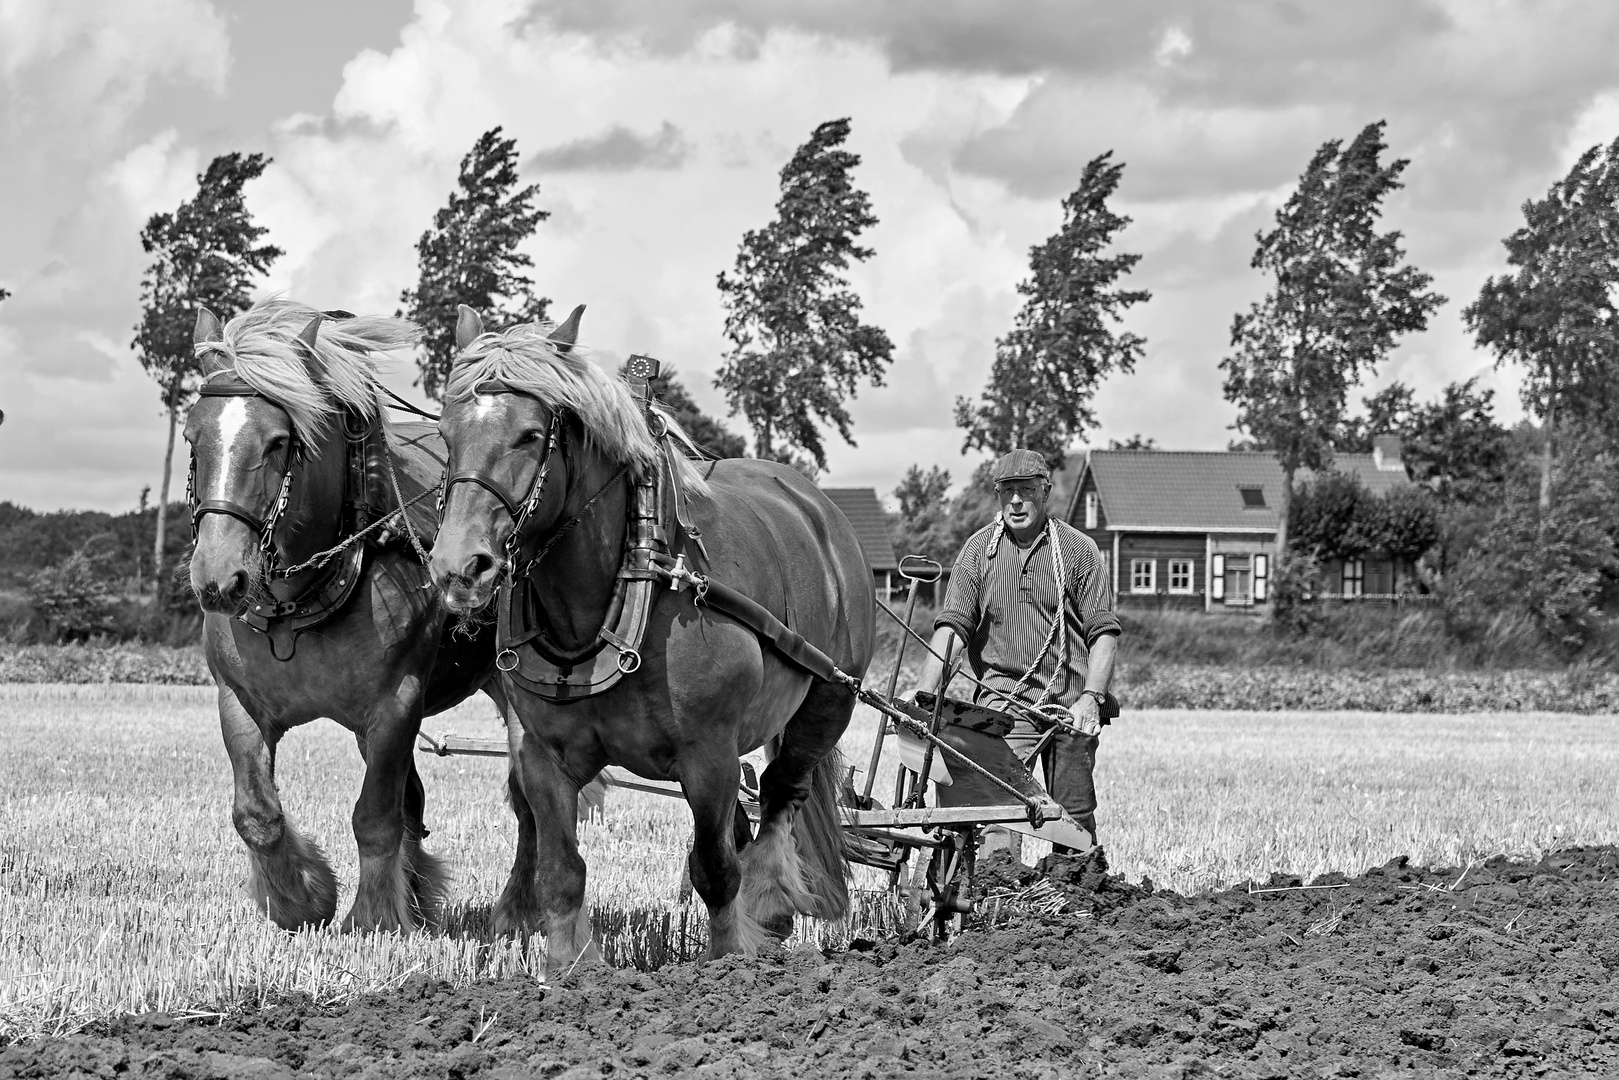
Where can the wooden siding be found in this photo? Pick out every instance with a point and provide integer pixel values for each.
(1161, 548)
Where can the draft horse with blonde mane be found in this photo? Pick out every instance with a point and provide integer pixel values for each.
(569, 506)
(307, 503)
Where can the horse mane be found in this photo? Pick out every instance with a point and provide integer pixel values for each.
(524, 358)
(261, 347)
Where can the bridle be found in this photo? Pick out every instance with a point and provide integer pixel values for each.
(265, 527)
(521, 512)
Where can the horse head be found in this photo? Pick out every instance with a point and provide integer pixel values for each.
(506, 474)
(243, 446)
(283, 384)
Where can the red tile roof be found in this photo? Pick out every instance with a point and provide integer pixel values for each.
(1200, 490)
(870, 523)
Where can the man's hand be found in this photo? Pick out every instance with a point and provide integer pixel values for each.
(1086, 715)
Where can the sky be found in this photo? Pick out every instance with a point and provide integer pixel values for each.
(657, 129)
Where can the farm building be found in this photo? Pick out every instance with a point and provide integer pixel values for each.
(870, 523)
(1197, 529)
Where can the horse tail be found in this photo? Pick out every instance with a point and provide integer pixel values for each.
(818, 835)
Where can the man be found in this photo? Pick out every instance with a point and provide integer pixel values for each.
(1049, 645)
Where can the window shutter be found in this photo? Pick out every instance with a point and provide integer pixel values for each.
(1261, 577)
(1217, 578)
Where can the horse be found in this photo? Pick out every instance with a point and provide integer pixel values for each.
(307, 504)
(527, 412)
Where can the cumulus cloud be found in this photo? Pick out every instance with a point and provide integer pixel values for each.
(618, 149)
(658, 130)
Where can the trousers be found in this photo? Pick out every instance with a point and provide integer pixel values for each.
(1068, 765)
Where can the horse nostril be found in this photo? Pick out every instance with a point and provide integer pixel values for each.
(237, 586)
(479, 565)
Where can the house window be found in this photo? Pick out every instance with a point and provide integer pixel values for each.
(1253, 498)
(1092, 508)
(1217, 578)
(1180, 575)
(1261, 578)
(1143, 575)
(1354, 577)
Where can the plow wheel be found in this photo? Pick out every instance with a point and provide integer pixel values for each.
(940, 890)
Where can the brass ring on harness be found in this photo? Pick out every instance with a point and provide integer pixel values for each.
(501, 662)
(656, 424)
(629, 661)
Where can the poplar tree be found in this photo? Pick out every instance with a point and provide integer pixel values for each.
(1065, 338)
(798, 347)
(1556, 315)
(1341, 296)
(470, 256)
(205, 254)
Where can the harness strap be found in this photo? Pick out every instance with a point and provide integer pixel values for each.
(751, 614)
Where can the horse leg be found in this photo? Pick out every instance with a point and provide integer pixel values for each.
(553, 797)
(795, 864)
(400, 886)
(518, 912)
(288, 877)
(710, 782)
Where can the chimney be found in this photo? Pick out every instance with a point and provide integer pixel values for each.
(1386, 453)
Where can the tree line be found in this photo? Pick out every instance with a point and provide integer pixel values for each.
(1341, 293)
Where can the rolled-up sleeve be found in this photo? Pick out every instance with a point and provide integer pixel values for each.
(963, 599)
(1094, 595)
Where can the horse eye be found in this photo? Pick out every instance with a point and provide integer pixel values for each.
(533, 435)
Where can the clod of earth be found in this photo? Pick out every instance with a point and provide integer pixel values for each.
(1508, 970)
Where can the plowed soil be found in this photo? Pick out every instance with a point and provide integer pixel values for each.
(1506, 969)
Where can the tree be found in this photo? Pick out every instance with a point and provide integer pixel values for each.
(1390, 411)
(1342, 296)
(1134, 442)
(709, 434)
(1409, 523)
(205, 254)
(470, 256)
(1455, 446)
(1556, 315)
(924, 524)
(1064, 340)
(1333, 516)
(798, 347)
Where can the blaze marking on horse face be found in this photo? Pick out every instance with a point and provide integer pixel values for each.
(485, 406)
(232, 430)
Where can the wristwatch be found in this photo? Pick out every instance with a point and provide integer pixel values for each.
(1101, 698)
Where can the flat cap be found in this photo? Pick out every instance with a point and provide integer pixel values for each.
(1020, 465)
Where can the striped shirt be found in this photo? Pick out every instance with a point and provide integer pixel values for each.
(1001, 602)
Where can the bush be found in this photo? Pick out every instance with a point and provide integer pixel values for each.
(72, 599)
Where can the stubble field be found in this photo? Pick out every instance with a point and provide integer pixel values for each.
(120, 874)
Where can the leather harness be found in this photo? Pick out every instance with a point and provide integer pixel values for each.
(527, 650)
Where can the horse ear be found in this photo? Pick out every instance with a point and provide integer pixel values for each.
(208, 332)
(468, 326)
(207, 328)
(312, 359)
(566, 336)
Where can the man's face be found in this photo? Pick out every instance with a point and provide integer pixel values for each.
(1023, 503)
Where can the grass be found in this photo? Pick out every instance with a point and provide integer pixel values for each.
(121, 877)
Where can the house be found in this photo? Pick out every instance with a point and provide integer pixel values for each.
(1197, 529)
(870, 523)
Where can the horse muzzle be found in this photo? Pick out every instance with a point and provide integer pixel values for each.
(472, 586)
(225, 597)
